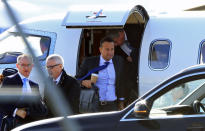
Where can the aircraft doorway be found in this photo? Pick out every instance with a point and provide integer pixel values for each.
(90, 42)
(97, 25)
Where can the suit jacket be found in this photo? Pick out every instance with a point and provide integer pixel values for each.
(120, 52)
(34, 105)
(130, 72)
(92, 62)
(70, 88)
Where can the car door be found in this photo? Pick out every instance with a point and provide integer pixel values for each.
(170, 108)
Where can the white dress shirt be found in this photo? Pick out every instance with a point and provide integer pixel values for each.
(58, 79)
(126, 49)
(27, 83)
(28, 89)
(126, 46)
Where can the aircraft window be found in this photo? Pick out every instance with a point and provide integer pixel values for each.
(12, 46)
(202, 54)
(159, 54)
(171, 102)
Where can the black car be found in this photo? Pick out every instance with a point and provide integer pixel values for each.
(175, 104)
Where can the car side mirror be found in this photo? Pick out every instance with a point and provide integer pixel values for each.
(141, 110)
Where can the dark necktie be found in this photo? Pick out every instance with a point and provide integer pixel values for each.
(55, 82)
(128, 45)
(95, 70)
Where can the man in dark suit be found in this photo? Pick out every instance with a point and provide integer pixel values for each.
(123, 48)
(67, 84)
(23, 108)
(109, 83)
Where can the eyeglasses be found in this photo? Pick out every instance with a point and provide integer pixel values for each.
(25, 65)
(52, 66)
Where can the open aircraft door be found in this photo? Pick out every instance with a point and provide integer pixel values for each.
(96, 17)
(97, 21)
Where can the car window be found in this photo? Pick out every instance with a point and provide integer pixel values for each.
(12, 46)
(202, 53)
(176, 95)
(203, 103)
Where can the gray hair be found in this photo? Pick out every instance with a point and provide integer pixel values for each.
(25, 56)
(114, 33)
(56, 57)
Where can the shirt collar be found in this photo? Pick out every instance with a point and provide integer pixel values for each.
(102, 60)
(125, 36)
(58, 79)
(22, 77)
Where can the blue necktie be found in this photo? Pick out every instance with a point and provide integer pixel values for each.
(24, 85)
(95, 70)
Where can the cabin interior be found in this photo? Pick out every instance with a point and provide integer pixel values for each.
(90, 39)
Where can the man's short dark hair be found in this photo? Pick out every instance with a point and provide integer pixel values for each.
(106, 39)
(45, 41)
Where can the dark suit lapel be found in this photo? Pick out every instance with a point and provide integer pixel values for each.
(94, 63)
(97, 61)
(60, 83)
(18, 80)
(115, 62)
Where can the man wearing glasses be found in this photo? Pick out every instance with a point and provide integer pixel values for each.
(68, 85)
(23, 108)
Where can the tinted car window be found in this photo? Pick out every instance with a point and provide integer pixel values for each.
(176, 95)
(159, 54)
(202, 53)
(203, 103)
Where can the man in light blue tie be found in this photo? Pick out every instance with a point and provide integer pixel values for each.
(109, 82)
(23, 111)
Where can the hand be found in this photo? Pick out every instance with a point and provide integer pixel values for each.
(1, 78)
(121, 105)
(129, 59)
(21, 112)
(87, 83)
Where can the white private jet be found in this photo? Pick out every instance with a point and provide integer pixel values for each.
(166, 42)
